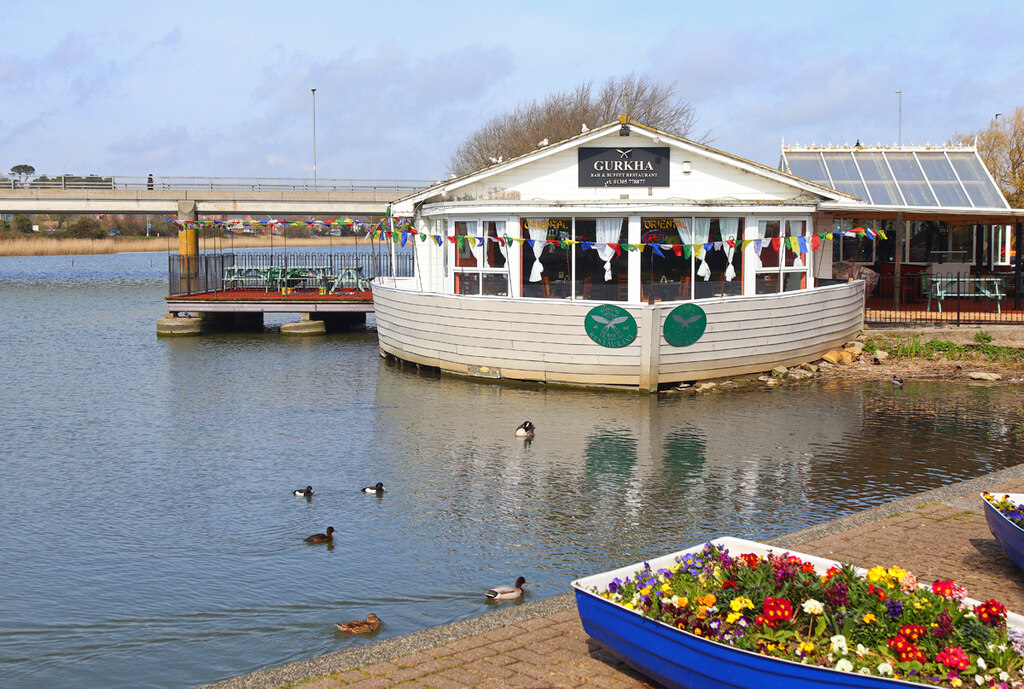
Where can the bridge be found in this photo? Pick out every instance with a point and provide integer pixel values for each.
(187, 197)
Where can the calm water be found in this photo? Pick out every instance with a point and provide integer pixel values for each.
(149, 537)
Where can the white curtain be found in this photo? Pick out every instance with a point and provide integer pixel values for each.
(762, 234)
(685, 233)
(538, 233)
(471, 234)
(729, 228)
(499, 231)
(608, 231)
(701, 233)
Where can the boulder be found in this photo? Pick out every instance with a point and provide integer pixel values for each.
(705, 387)
(854, 347)
(771, 383)
(779, 371)
(832, 357)
(825, 366)
(880, 356)
(800, 374)
(813, 368)
(763, 379)
(982, 375)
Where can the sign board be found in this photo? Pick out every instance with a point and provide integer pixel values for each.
(624, 167)
(685, 325)
(610, 326)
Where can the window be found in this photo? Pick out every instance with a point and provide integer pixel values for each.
(547, 271)
(780, 266)
(601, 272)
(1002, 244)
(857, 249)
(670, 277)
(481, 258)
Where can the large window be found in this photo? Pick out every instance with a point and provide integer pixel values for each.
(705, 272)
(1002, 245)
(857, 249)
(547, 268)
(780, 266)
(601, 270)
(481, 260)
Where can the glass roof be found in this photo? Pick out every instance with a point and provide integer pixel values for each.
(933, 178)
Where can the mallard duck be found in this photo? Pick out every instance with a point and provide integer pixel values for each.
(897, 382)
(525, 429)
(322, 537)
(378, 489)
(306, 492)
(370, 624)
(507, 592)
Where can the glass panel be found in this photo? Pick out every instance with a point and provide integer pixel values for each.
(808, 166)
(465, 257)
(494, 257)
(794, 259)
(845, 176)
(794, 281)
(595, 279)
(467, 283)
(495, 284)
(944, 182)
(766, 283)
(925, 239)
(910, 179)
(880, 183)
(769, 256)
(983, 194)
(546, 265)
(858, 249)
(885, 249)
(961, 244)
(671, 276)
(723, 281)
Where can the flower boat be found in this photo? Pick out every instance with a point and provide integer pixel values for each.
(1004, 514)
(736, 613)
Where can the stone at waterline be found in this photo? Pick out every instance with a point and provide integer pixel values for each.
(779, 371)
(880, 356)
(982, 375)
(705, 387)
(799, 374)
(763, 379)
(813, 368)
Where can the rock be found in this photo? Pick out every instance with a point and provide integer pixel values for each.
(854, 347)
(826, 366)
(705, 387)
(771, 383)
(982, 375)
(728, 385)
(799, 374)
(880, 356)
(763, 379)
(847, 356)
(683, 386)
(813, 368)
(779, 371)
(832, 357)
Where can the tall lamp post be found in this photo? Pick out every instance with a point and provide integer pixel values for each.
(899, 131)
(314, 138)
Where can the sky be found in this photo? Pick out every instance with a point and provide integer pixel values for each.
(223, 88)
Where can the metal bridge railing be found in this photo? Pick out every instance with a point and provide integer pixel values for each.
(389, 186)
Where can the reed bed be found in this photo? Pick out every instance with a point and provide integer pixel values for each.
(52, 246)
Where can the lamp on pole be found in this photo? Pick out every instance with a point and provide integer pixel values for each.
(314, 138)
(899, 131)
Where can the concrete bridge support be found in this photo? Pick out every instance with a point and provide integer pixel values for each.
(310, 324)
(173, 325)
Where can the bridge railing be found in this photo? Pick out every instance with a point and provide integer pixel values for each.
(218, 272)
(382, 186)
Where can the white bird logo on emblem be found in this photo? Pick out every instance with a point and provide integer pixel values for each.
(624, 152)
(685, 321)
(609, 324)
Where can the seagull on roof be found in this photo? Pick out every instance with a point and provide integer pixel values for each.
(584, 129)
(493, 160)
(542, 142)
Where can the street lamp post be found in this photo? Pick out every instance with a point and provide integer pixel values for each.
(899, 131)
(314, 138)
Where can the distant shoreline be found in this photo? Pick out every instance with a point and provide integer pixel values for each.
(51, 246)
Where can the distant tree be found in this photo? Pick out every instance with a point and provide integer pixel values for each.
(5, 227)
(84, 227)
(1001, 147)
(564, 113)
(23, 171)
(22, 223)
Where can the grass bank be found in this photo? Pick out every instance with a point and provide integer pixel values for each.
(52, 246)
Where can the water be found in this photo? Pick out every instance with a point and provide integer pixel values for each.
(149, 536)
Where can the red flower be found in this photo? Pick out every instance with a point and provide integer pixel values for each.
(807, 568)
(728, 584)
(877, 592)
(751, 560)
(991, 612)
(954, 657)
(777, 610)
(943, 588)
(906, 650)
(912, 631)
(832, 571)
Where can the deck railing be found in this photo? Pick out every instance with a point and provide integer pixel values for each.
(390, 187)
(938, 297)
(217, 272)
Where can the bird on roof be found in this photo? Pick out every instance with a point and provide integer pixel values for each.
(306, 492)
(493, 160)
(507, 592)
(525, 429)
(584, 129)
(542, 142)
(322, 537)
(370, 624)
(897, 382)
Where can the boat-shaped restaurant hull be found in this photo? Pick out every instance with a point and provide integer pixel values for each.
(679, 659)
(1009, 535)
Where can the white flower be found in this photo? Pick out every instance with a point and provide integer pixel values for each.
(979, 680)
(839, 644)
(864, 671)
(884, 669)
(982, 665)
(813, 607)
(844, 665)
(861, 650)
(1004, 676)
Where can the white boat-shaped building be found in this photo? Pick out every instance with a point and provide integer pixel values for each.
(621, 257)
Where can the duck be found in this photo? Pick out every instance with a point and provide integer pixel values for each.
(378, 488)
(507, 592)
(370, 624)
(897, 382)
(525, 429)
(306, 492)
(322, 537)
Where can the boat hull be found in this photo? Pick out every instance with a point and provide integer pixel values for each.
(1009, 535)
(544, 340)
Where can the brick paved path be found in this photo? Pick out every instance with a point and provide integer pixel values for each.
(934, 540)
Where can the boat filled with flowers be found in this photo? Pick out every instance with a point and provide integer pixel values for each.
(736, 613)
(1005, 516)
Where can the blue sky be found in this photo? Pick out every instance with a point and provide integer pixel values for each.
(223, 88)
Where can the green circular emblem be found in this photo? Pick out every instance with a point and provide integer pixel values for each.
(610, 326)
(685, 325)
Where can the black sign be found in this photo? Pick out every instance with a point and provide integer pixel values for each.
(624, 167)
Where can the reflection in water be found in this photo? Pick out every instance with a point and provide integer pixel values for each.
(161, 532)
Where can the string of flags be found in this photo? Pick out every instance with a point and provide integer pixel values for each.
(404, 230)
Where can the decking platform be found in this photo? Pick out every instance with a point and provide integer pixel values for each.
(255, 300)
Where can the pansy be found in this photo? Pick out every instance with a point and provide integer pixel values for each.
(869, 618)
(839, 644)
(884, 669)
(844, 665)
(813, 607)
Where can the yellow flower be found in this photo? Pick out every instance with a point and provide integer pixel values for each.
(708, 599)
(897, 573)
(740, 603)
(675, 568)
(869, 618)
(679, 601)
(666, 587)
(876, 574)
(733, 616)
(806, 647)
(628, 605)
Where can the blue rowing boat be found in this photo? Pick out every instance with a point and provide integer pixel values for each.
(1005, 530)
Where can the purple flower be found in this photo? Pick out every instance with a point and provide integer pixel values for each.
(895, 608)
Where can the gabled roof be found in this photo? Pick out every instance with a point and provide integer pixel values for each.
(446, 187)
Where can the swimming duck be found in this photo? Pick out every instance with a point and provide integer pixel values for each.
(306, 492)
(322, 537)
(897, 382)
(370, 624)
(507, 592)
(378, 489)
(525, 429)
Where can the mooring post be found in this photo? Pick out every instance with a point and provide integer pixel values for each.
(188, 247)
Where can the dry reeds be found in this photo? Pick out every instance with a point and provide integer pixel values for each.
(52, 246)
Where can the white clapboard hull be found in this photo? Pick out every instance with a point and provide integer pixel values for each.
(544, 339)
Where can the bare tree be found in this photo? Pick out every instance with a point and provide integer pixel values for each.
(1001, 147)
(564, 114)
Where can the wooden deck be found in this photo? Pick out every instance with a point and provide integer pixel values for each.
(251, 300)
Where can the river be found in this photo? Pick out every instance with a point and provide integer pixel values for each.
(149, 536)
